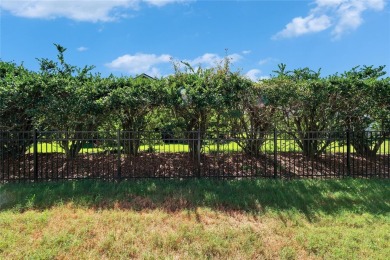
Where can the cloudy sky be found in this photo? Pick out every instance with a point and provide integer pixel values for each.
(129, 37)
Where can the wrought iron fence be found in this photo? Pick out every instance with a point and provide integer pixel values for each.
(48, 155)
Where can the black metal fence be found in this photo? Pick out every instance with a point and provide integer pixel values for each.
(44, 156)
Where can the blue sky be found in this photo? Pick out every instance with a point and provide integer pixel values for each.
(129, 37)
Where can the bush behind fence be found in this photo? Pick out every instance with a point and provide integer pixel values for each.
(54, 155)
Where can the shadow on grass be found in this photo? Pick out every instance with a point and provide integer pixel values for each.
(310, 197)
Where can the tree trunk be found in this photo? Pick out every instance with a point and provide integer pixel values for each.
(131, 142)
(196, 130)
(253, 142)
(310, 145)
(73, 144)
(366, 145)
(14, 144)
(132, 135)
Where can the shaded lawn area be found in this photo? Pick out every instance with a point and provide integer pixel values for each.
(302, 219)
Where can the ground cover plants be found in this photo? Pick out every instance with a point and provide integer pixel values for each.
(300, 219)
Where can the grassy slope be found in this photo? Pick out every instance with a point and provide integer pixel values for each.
(335, 219)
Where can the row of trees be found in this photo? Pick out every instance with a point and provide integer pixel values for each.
(67, 98)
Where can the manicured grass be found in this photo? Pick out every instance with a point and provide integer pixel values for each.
(167, 148)
(268, 147)
(192, 219)
(54, 147)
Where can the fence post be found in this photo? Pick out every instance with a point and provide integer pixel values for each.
(348, 152)
(35, 154)
(275, 154)
(119, 170)
(198, 153)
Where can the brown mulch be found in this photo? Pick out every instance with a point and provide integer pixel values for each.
(55, 166)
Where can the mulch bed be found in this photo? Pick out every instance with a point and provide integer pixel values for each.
(56, 166)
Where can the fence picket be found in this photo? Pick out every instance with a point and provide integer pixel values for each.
(217, 155)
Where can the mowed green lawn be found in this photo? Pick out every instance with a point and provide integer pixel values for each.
(268, 147)
(196, 219)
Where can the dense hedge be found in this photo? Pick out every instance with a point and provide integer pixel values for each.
(64, 97)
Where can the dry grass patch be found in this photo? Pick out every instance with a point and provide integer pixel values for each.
(69, 232)
(196, 219)
(76, 233)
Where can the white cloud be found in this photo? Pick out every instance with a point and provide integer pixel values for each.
(82, 48)
(164, 2)
(340, 15)
(266, 60)
(264, 77)
(299, 26)
(246, 52)
(211, 59)
(139, 63)
(349, 14)
(151, 63)
(81, 10)
(253, 74)
(374, 4)
(328, 3)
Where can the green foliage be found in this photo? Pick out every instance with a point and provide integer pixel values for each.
(19, 94)
(362, 101)
(197, 95)
(354, 90)
(70, 102)
(302, 99)
(66, 98)
(194, 95)
(256, 117)
(129, 102)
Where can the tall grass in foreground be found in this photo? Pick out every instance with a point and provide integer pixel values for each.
(192, 219)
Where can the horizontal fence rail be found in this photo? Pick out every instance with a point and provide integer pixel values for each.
(56, 155)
